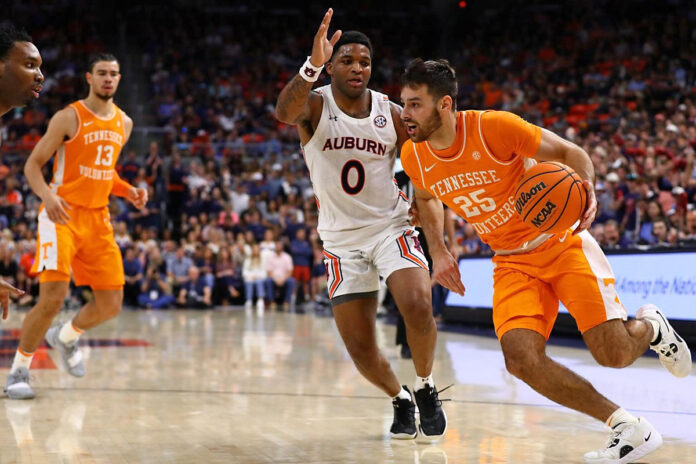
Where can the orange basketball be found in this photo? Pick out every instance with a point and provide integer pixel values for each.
(550, 197)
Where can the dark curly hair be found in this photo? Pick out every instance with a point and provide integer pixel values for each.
(9, 34)
(437, 75)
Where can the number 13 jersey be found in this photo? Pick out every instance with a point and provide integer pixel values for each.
(83, 170)
(351, 165)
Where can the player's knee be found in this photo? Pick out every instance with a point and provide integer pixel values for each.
(112, 307)
(522, 364)
(612, 356)
(113, 310)
(419, 311)
(50, 304)
(361, 352)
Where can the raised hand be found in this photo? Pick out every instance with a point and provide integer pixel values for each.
(323, 48)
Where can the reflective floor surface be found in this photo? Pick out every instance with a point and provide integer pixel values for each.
(229, 387)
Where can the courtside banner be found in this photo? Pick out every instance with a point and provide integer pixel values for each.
(665, 279)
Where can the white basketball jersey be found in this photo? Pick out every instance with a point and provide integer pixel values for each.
(351, 164)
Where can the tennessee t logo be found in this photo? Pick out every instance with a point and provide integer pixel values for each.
(611, 281)
(45, 247)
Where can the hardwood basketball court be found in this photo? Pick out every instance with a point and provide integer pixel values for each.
(227, 386)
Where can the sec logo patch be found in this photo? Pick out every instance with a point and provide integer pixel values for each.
(380, 121)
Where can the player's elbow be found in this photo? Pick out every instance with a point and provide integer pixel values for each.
(30, 167)
(283, 115)
(574, 154)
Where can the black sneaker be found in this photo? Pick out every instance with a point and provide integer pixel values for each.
(433, 421)
(404, 425)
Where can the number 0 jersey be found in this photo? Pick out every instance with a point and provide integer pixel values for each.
(83, 169)
(351, 164)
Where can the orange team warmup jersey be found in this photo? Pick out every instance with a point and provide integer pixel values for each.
(83, 171)
(477, 176)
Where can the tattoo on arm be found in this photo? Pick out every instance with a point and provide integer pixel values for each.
(293, 97)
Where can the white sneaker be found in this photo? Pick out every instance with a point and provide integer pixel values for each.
(260, 306)
(17, 386)
(248, 305)
(69, 352)
(629, 441)
(674, 353)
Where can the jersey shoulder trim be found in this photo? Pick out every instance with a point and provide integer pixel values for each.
(75, 109)
(488, 150)
(410, 161)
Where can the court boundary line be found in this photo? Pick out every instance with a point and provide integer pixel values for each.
(328, 396)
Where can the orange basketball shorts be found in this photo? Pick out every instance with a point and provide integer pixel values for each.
(572, 268)
(85, 245)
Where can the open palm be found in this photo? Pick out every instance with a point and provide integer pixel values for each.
(323, 47)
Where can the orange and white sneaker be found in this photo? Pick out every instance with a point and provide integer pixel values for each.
(673, 351)
(629, 441)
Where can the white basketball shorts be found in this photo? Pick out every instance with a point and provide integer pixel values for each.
(357, 270)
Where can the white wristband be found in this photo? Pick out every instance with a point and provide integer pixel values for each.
(309, 72)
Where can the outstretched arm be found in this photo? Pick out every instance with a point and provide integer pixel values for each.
(296, 102)
(432, 220)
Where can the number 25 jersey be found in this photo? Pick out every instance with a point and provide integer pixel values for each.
(351, 165)
(83, 169)
(478, 175)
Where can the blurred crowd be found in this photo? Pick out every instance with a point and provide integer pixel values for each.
(232, 216)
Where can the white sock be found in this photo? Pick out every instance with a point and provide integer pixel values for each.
(422, 381)
(403, 394)
(619, 416)
(69, 333)
(21, 359)
(656, 329)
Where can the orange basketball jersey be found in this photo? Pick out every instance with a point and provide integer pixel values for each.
(477, 176)
(83, 171)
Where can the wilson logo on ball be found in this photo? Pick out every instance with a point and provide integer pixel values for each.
(528, 195)
(545, 212)
(550, 198)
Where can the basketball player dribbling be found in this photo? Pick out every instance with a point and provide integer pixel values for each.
(74, 231)
(350, 136)
(20, 84)
(471, 161)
